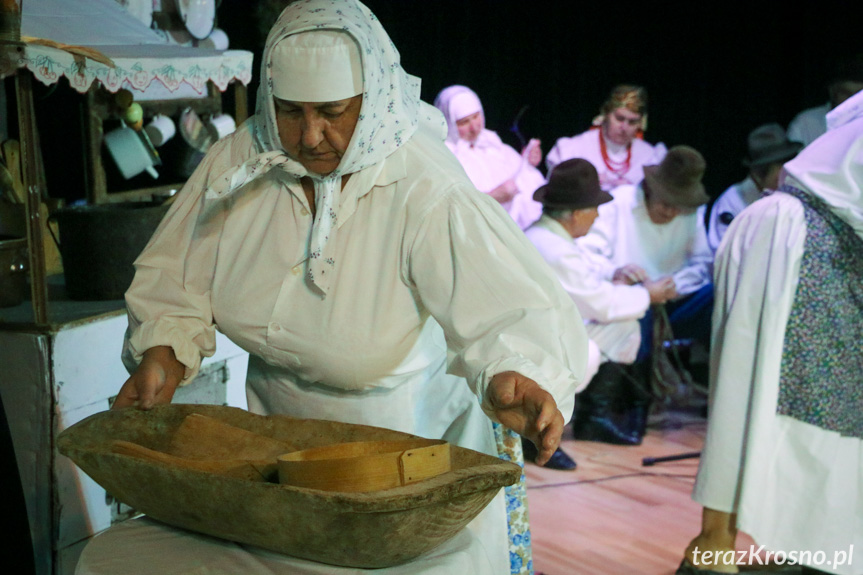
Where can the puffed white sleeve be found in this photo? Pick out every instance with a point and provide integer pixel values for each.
(698, 270)
(499, 304)
(168, 303)
(599, 241)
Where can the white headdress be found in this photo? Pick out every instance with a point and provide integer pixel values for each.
(388, 117)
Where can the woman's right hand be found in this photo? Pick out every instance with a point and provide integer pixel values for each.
(154, 382)
(504, 192)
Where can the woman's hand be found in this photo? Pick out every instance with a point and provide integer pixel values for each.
(533, 152)
(504, 192)
(154, 382)
(523, 406)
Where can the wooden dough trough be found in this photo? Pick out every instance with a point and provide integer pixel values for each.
(218, 474)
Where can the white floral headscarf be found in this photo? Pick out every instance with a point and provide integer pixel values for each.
(388, 118)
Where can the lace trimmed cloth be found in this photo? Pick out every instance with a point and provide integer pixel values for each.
(136, 67)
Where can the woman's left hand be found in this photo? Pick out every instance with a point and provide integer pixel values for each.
(523, 406)
(533, 152)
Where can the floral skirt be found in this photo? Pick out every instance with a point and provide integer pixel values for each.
(518, 525)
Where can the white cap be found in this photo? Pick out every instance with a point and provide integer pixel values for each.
(318, 66)
(463, 105)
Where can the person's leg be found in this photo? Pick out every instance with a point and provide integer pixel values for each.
(690, 316)
(718, 536)
(595, 417)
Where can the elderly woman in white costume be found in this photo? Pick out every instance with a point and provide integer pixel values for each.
(783, 456)
(614, 144)
(494, 167)
(335, 238)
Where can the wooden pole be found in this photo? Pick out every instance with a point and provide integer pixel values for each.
(35, 229)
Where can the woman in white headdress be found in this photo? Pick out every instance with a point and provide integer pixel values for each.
(335, 238)
(494, 167)
(783, 456)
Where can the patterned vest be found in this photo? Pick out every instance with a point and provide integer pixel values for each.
(821, 378)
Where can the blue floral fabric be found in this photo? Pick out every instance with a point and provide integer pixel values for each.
(518, 522)
(821, 378)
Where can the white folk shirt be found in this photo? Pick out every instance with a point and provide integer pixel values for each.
(489, 163)
(809, 125)
(610, 311)
(794, 486)
(624, 234)
(586, 146)
(419, 249)
(732, 201)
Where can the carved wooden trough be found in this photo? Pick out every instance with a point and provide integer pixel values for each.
(153, 462)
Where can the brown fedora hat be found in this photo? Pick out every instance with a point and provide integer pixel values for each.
(572, 185)
(677, 179)
(768, 144)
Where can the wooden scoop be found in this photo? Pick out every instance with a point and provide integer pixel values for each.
(240, 468)
(202, 437)
(365, 465)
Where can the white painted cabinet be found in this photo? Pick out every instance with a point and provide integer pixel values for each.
(51, 380)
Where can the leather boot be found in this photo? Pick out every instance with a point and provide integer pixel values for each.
(640, 400)
(595, 418)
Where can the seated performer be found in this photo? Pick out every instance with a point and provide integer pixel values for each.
(845, 81)
(782, 456)
(769, 148)
(610, 310)
(614, 144)
(652, 231)
(494, 167)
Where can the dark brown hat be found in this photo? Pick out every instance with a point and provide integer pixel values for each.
(768, 144)
(677, 179)
(572, 185)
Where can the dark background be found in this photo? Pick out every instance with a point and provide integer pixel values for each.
(713, 71)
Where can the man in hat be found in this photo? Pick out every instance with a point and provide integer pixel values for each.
(655, 230)
(846, 79)
(769, 148)
(611, 311)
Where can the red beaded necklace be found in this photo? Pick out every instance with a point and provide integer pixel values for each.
(615, 167)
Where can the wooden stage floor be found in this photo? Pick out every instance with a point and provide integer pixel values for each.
(611, 516)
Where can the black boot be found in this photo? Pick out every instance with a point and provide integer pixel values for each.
(640, 399)
(595, 418)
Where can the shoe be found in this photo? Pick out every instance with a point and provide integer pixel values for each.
(559, 459)
(602, 430)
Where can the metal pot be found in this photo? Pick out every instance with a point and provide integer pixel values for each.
(182, 154)
(100, 243)
(13, 271)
